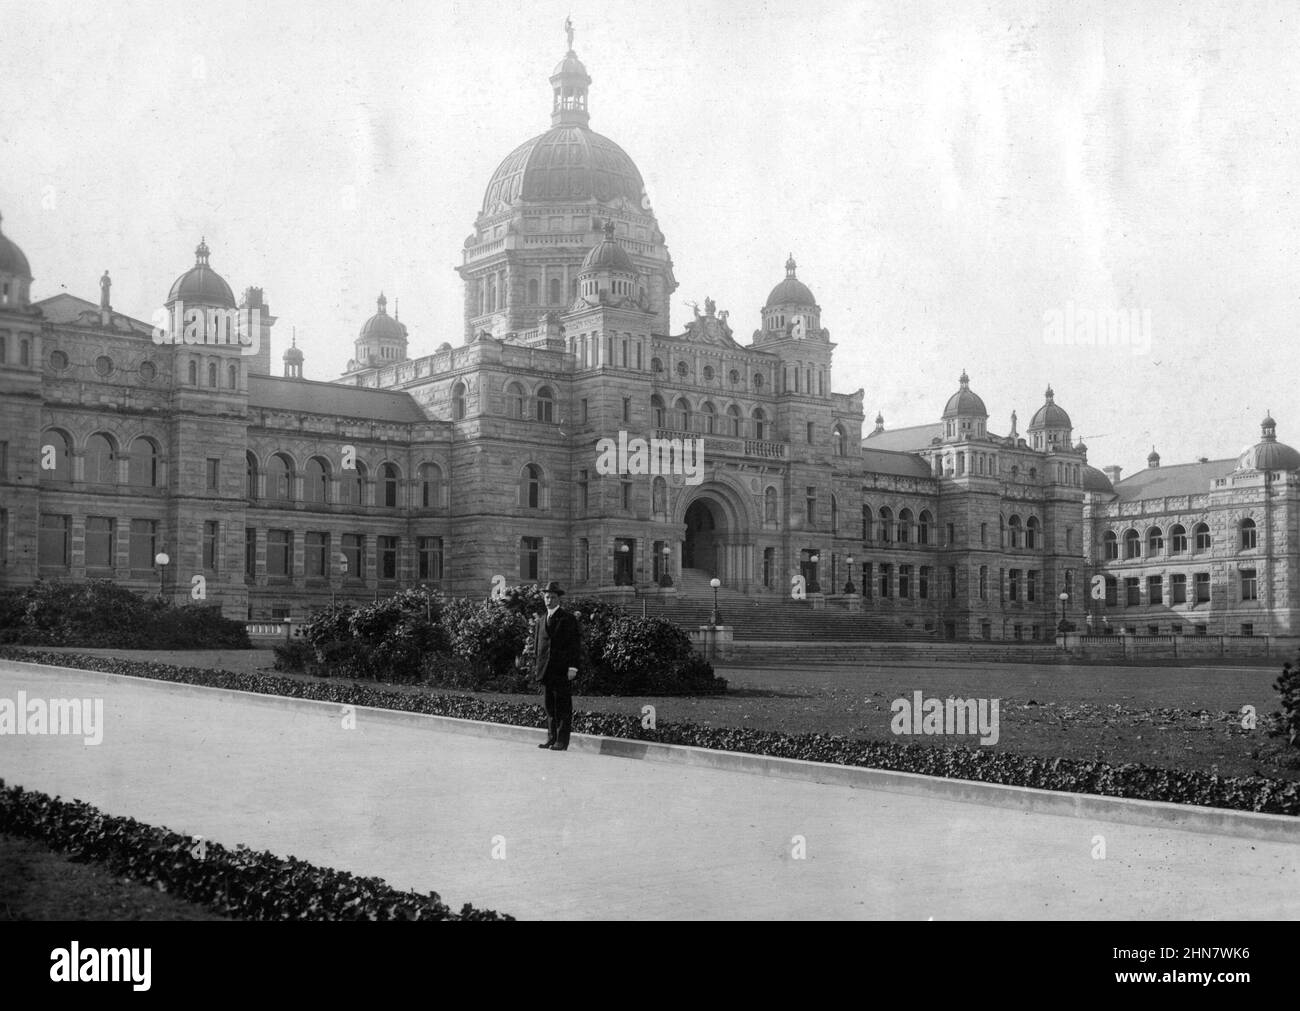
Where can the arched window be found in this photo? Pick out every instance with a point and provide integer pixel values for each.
(142, 471)
(316, 480)
(886, 524)
(530, 487)
(352, 485)
(212, 374)
(250, 475)
(769, 505)
(733, 421)
(682, 415)
(1248, 534)
(430, 486)
(391, 478)
(545, 405)
(61, 448)
(905, 526)
(656, 365)
(867, 520)
(279, 478)
(533, 291)
(1014, 525)
(232, 376)
(555, 291)
(1202, 533)
(709, 415)
(1132, 544)
(760, 423)
(101, 460)
(194, 373)
(1177, 539)
(837, 440)
(458, 402)
(923, 527)
(1031, 533)
(658, 412)
(1110, 545)
(1155, 541)
(515, 400)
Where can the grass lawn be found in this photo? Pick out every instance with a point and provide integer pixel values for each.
(39, 884)
(1175, 717)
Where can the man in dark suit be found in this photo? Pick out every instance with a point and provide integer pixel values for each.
(558, 643)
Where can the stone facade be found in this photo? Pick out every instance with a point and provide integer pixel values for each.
(273, 494)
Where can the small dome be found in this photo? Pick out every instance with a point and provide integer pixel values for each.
(444, 346)
(965, 403)
(1082, 449)
(201, 285)
(1049, 415)
(608, 255)
(791, 291)
(1268, 453)
(570, 66)
(1153, 458)
(1095, 481)
(12, 259)
(382, 326)
(293, 353)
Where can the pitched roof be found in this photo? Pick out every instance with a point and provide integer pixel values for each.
(876, 461)
(312, 397)
(1177, 479)
(905, 439)
(65, 308)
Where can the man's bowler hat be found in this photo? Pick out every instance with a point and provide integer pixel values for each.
(553, 587)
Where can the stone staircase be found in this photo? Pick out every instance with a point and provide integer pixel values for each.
(779, 619)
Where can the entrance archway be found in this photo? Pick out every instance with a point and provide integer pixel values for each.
(706, 530)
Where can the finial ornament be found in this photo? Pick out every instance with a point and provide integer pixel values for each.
(1050, 394)
(609, 228)
(568, 30)
(965, 379)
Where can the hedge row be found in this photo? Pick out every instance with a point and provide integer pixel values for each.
(1132, 780)
(238, 883)
(99, 613)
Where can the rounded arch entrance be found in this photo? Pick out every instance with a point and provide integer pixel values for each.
(716, 538)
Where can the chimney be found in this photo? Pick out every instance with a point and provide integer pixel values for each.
(1112, 472)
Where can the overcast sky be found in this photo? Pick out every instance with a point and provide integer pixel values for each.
(957, 182)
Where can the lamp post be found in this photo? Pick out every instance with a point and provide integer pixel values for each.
(162, 559)
(343, 571)
(668, 562)
(1064, 598)
(623, 549)
(815, 585)
(848, 588)
(715, 583)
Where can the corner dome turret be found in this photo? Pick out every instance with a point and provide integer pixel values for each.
(791, 292)
(15, 274)
(201, 285)
(1268, 453)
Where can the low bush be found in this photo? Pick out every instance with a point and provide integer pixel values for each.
(239, 883)
(1140, 782)
(1288, 687)
(99, 613)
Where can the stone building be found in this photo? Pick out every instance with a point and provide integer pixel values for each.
(123, 441)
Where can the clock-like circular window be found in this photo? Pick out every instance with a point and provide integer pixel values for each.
(734, 377)
(148, 371)
(708, 373)
(104, 365)
(683, 369)
(58, 360)
(758, 380)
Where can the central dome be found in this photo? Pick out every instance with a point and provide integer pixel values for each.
(566, 163)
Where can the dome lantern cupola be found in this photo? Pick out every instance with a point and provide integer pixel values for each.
(382, 340)
(791, 308)
(608, 275)
(293, 360)
(1049, 429)
(569, 85)
(201, 285)
(1268, 453)
(965, 415)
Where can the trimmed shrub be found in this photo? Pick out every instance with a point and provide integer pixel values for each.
(1288, 686)
(240, 883)
(102, 614)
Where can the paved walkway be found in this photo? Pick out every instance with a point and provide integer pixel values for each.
(597, 837)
